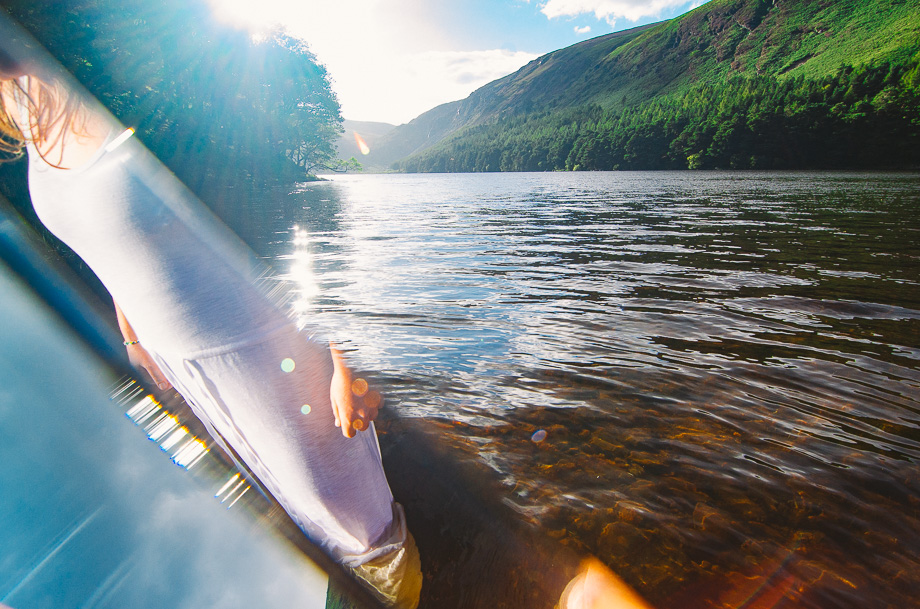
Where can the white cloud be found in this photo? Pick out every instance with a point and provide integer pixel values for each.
(398, 88)
(389, 61)
(609, 10)
(582, 30)
(464, 69)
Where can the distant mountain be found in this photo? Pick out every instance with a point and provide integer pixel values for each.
(778, 39)
(370, 132)
(534, 86)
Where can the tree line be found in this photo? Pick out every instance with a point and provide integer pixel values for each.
(865, 117)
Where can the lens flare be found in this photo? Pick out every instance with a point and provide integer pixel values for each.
(373, 399)
(121, 139)
(362, 145)
(359, 387)
(287, 364)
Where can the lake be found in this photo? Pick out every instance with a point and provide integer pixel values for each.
(705, 379)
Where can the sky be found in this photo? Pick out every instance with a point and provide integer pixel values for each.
(391, 60)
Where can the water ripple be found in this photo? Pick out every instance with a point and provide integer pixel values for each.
(723, 368)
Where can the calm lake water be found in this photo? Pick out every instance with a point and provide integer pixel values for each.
(711, 381)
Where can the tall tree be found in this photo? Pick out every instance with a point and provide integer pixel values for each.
(227, 113)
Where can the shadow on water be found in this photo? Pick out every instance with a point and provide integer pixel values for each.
(475, 551)
(679, 502)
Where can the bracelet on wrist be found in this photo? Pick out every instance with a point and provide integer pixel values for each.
(132, 342)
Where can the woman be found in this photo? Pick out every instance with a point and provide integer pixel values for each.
(193, 315)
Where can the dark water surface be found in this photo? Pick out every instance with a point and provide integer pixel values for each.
(711, 381)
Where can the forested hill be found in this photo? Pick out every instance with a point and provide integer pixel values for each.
(536, 85)
(734, 83)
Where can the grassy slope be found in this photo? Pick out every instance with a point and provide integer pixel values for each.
(540, 83)
(534, 86)
(724, 37)
(783, 38)
(836, 33)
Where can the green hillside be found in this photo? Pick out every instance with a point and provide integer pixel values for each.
(782, 38)
(731, 71)
(537, 85)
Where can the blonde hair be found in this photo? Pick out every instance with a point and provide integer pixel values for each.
(48, 109)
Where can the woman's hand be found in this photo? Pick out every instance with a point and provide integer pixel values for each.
(353, 404)
(138, 355)
(141, 359)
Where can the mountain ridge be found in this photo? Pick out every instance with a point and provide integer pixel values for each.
(370, 131)
(780, 39)
(433, 126)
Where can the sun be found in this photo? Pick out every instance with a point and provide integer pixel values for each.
(388, 60)
(355, 39)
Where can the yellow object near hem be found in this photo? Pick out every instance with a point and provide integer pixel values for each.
(395, 578)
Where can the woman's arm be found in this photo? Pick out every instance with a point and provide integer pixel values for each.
(137, 354)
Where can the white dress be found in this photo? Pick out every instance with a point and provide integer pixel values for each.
(196, 306)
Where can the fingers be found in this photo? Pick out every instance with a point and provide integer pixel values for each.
(348, 421)
(342, 408)
(335, 413)
(373, 401)
(359, 387)
(158, 377)
(360, 410)
(140, 358)
(155, 373)
(354, 404)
